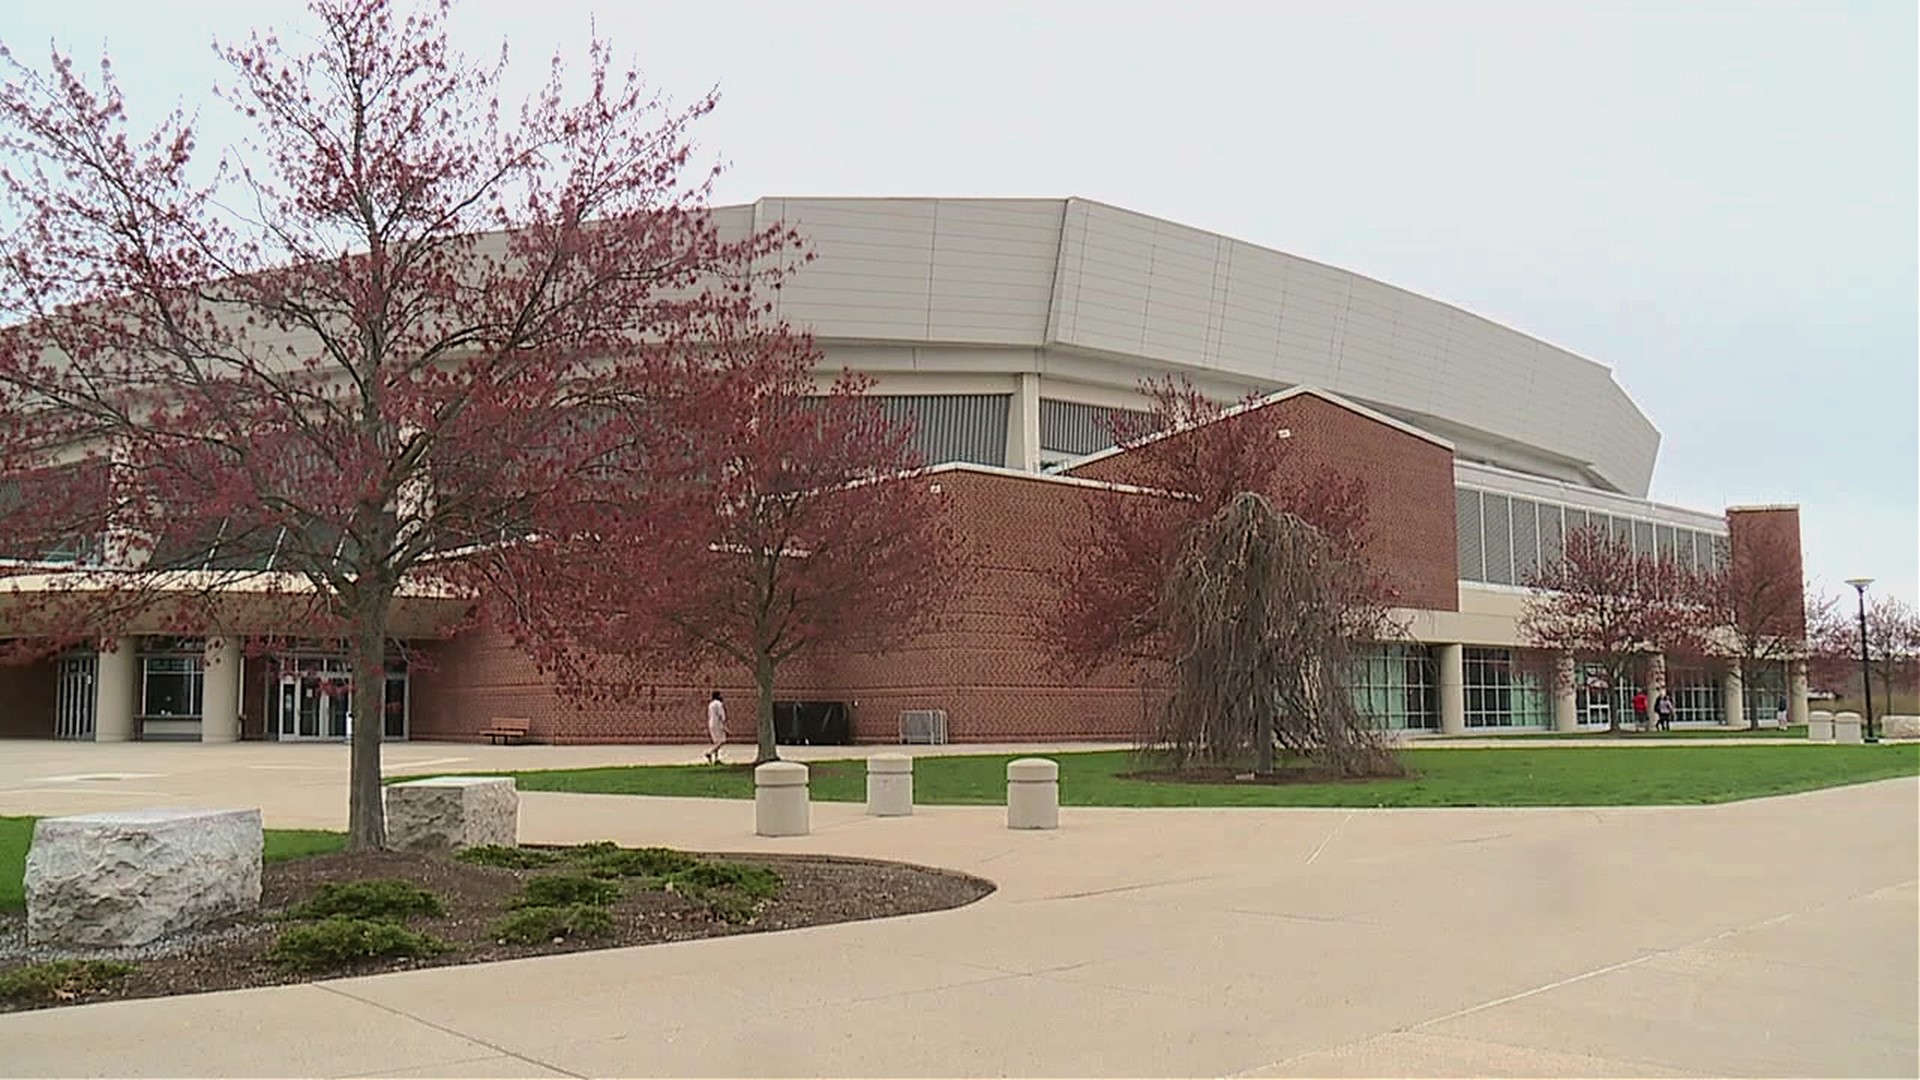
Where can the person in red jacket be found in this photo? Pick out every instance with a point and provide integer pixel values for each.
(1640, 709)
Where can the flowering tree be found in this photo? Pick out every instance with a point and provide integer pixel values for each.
(1893, 645)
(1610, 607)
(816, 528)
(395, 327)
(1757, 603)
(1194, 456)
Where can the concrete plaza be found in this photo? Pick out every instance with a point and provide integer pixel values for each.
(1775, 937)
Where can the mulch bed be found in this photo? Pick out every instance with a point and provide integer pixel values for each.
(814, 891)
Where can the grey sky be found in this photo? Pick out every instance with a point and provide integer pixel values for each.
(1718, 200)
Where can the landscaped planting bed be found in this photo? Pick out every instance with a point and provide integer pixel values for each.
(357, 914)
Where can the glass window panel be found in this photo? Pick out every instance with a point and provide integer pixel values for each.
(1499, 538)
(1467, 527)
(1526, 540)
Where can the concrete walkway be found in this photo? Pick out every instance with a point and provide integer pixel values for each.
(1776, 937)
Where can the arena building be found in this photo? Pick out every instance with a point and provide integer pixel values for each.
(1009, 330)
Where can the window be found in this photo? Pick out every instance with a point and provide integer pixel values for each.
(952, 427)
(1069, 429)
(1696, 695)
(1764, 694)
(1498, 695)
(1395, 687)
(171, 686)
(1501, 539)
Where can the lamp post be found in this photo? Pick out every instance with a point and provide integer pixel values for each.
(1866, 674)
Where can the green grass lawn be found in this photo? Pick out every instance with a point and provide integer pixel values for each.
(1571, 776)
(17, 832)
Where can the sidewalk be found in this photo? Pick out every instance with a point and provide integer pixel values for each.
(1774, 937)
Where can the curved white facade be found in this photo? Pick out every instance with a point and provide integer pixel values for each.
(1071, 301)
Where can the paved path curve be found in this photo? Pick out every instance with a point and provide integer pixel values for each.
(1773, 937)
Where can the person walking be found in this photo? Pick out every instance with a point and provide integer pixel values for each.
(716, 728)
(1640, 709)
(1663, 711)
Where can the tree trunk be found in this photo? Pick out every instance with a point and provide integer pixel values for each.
(763, 690)
(366, 811)
(1263, 740)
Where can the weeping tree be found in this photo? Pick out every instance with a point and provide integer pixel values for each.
(1264, 611)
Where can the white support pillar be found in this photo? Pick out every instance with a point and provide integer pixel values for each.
(116, 690)
(1797, 693)
(1733, 698)
(1566, 696)
(1023, 424)
(220, 692)
(1451, 661)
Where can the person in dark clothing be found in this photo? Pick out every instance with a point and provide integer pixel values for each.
(1663, 711)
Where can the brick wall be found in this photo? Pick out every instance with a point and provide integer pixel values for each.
(986, 663)
(1409, 489)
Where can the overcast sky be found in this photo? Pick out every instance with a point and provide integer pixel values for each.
(1718, 201)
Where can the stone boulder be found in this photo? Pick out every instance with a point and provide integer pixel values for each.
(1900, 727)
(128, 877)
(446, 813)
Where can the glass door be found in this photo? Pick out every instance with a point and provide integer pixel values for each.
(316, 699)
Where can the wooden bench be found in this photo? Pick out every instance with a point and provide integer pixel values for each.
(503, 729)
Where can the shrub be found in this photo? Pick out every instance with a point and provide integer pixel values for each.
(561, 890)
(511, 858)
(756, 882)
(640, 862)
(532, 925)
(374, 898)
(338, 941)
(61, 980)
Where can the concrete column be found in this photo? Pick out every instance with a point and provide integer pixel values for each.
(1566, 696)
(1451, 661)
(1656, 677)
(1797, 711)
(220, 692)
(116, 691)
(1733, 698)
(1023, 424)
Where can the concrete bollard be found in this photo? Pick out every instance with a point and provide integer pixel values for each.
(890, 785)
(780, 799)
(1033, 794)
(1820, 726)
(1846, 728)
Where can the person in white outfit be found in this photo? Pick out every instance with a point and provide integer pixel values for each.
(716, 728)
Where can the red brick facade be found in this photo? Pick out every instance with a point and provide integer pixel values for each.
(1408, 482)
(986, 664)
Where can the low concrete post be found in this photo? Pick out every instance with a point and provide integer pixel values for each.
(890, 785)
(1033, 794)
(780, 799)
(1846, 728)
(1819, 726)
